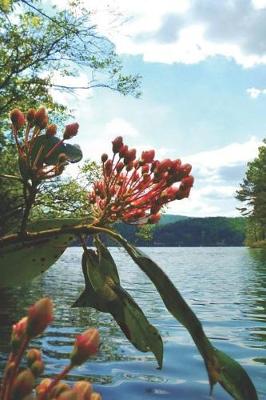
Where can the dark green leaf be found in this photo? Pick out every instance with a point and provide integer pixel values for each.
(73, 152)
(220, 367)
(104, 292)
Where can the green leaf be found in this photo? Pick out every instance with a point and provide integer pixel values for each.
(24, 260)
(104, 292)
(220, 367)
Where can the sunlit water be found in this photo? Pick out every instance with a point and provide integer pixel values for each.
(226, 287)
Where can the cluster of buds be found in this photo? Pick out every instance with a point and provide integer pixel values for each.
(20, 384)
(134, 190)
(36, 161)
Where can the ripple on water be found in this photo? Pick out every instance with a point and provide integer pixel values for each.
(226, 287)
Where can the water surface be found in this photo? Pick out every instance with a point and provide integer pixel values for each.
(226, 287)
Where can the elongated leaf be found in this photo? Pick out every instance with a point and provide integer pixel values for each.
(104, 292)
(220, 367)
(24, 260)
(42, 146)
(73, 152)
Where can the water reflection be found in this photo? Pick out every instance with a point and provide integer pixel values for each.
(226, 287)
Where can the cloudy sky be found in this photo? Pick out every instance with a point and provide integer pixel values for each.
(203, 64)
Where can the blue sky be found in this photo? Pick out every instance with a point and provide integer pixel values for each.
(203, 90)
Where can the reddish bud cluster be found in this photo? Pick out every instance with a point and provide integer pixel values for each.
(134, 190)
(20, 384)
(35, 121)
(85, 346)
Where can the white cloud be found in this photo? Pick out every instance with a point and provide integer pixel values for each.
(254, 93)
(259, 4)
(69, 98)
(119, 127)
(184, 31)
(213, 193)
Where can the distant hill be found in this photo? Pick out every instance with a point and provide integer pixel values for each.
(171, 218)
(176, 230)
(212, 231)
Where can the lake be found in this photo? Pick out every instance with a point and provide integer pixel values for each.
(226, 287)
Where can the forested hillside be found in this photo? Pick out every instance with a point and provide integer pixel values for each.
(212, 231)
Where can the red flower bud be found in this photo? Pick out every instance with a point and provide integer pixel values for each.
(119, 167)
(145, 169)
(96, 396)
(39, 317)
(43, 385)
(71, 130)
(129, 166)
(123, 151)
(164, 165)
(130, 156)
(58, 389)
(41, 118)
(23, 384)
(18, 333)
(31, 116)
(186, 168)
(86, 345)
(37, 368)
(51, 130)
(104, 157)
(117, 144)
(148, 156)
(33, 355)
(154, 218)
(68, 395)
(108, 166)
(187, 182)
(17, 118)
(84, 389)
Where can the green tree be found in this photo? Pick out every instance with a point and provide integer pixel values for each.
(252, 193)
(37, 40)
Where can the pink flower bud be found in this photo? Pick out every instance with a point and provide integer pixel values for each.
(71, 130)
(41, 118)
(148, 156)
(51, 130)
(187, 182)
(39, 317)
(85, 346)
(17, 118)
(18, 333)
(117, 144)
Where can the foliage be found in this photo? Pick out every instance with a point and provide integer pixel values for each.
(38, 40)
(39, 45)
(20, 384)
(252, 193)
(130, 189)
